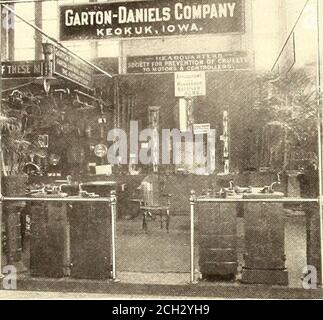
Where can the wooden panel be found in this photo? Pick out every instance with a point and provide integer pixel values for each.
(269, 277)
(90, 241)
(13, 232)
(48, 239)
(217, 223)
(215, 241)
(218, 255)
(264, 236)
(215, 218)
(218, 268)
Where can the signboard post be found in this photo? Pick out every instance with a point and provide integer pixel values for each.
(72, 69)
(156, 18)
(190, 84)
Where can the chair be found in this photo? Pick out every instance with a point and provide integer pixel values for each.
(154, 201)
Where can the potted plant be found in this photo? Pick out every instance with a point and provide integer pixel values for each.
(16, 148)
(283, 126)
(15, 153)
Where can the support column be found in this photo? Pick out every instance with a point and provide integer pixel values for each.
(319, 131)
(1, 276)
(4, 32)
(11, 35)
(94, 44)
(39, 24)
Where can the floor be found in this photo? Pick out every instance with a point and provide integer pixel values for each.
(154, 251)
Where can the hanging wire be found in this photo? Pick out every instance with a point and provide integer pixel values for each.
(290, 35)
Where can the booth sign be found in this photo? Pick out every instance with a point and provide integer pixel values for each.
(72, 69)
(216, 61)
(150, 19)
(22, 69)
(190, 84)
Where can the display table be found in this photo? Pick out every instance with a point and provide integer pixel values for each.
(70, 238)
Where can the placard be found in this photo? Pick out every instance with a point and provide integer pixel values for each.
(103, 170)
(22, 69)
(190, 84)
(150, 19)
(201, 128)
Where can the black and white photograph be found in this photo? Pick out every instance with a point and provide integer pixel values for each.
(161, 150)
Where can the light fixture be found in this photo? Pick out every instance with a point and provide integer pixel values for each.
(47, 49)
(100, 150)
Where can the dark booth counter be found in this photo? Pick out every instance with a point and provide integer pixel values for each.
(178, 185)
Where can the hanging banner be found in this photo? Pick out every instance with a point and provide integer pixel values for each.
(22, 69)
(220, 61)
(150, 19)
(72, 69)
(190, 84)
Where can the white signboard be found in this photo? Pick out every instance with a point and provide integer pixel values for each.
(201, 128)
(190, 84)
